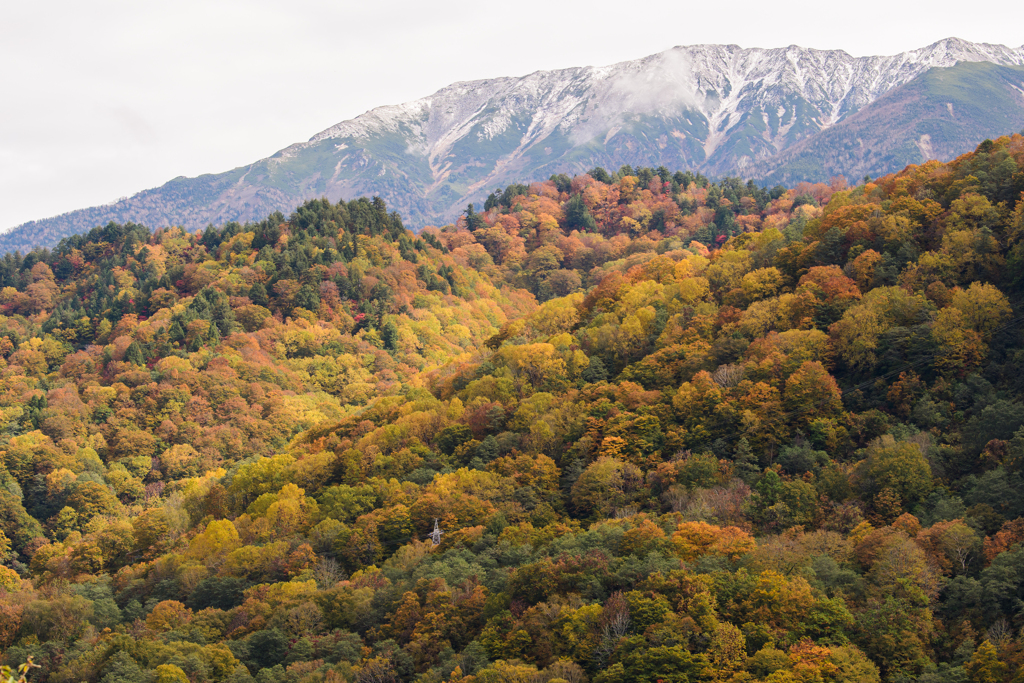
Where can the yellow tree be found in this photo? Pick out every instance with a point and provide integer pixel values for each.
(812, 393)
(694, 539)
(984, 666)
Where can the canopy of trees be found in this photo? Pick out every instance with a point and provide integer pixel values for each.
(672, 429)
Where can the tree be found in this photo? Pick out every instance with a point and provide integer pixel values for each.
(744, 462)
(984, 666)
(852, 665)
(307, 298)
(1010, 534)
(258, 295)
(606, 484)
(961, 349)
(983, 306)
(122, 668)
(453, 436)
(902, 569)
(893, 631)
(665, 663)
(180, 461)
(900, 467)
(134, 354)
(856, 336)
(169, 673)
(267, 648)
(9, 579)
(168, 616)
(90, 499)
(218, 539)
(812, 392)
(781, 603)
(535, 367)
(998, 420)
(694, 539)
(961, 545)
(577, 216)
(762, 283)
(642, 539)
(389, 334)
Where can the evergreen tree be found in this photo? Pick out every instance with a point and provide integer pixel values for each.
(258, 295)
(745, 463)
(177, 333)
(389, 334)
(474, 221)
(595, 372)
(577, 216)
(307, 298)
(134, 354)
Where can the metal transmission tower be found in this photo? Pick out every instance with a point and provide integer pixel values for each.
(435, 535)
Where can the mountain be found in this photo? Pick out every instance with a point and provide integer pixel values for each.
(717, 109)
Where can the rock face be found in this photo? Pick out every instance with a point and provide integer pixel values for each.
(781, 114)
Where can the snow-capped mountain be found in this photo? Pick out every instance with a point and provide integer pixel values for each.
(718, 109)
(711, 89)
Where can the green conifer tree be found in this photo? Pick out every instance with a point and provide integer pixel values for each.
(134, 354)
(745, 463)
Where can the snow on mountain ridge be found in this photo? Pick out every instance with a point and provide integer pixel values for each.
(781, 115)
(720, 82)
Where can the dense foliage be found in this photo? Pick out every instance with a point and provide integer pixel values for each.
(671, 429)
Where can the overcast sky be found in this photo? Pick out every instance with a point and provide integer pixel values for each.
(105, 98)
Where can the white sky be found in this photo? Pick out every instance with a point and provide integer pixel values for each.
(104, 98)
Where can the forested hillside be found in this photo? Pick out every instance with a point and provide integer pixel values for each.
(671, 429)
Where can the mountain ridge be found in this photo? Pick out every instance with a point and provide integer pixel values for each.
(718, 109)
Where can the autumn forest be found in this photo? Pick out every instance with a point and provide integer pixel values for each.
(668, 429)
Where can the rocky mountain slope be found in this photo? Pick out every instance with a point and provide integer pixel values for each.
(719, 109)
(938, 115)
